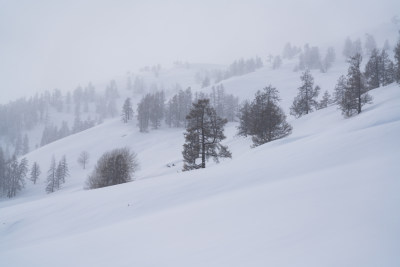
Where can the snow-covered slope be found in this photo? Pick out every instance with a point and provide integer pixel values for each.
(327, 195)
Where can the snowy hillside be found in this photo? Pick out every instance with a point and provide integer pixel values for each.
(327, 195)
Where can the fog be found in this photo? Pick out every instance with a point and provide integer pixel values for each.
(60, 44)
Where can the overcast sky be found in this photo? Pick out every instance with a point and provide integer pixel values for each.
(60, 44)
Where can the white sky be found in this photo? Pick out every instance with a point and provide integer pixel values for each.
(60, 44)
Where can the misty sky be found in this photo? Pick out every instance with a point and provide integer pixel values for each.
(60, 44)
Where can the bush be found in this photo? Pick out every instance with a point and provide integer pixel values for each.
(114, 167)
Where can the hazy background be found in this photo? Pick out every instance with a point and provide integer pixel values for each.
(60, 44)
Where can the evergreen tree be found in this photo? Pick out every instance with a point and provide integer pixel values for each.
(264, 120)
(143, 113)
(129, 85)
(305, 102)
(64, 170)
(373, 70)
(18, 146)
(157, 109)
(2, 172)
(246, 120)
(397, 62)
(387, 68)
(127, 111)
(370, 44)
(52, 183)
(203, 136)
(328, 60)
(325, 101)
(25, 145)
(351, 92)
(60, 179)
(348, 48)
(16, 174)
(35, 172)
(277, 63)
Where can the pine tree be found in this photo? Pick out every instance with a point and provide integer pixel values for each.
(246, 120)
(325, 101)
(60, 179)
(52, 183)
(348, 48)
(386, 66)
(264, 120)
(305, 102)
(352, 92)
(2, 172)
(64, 169)
(18, 145)
(25, 145)
(203, 135)
(143, 113)
(397, 62)
(370, 44)
(373, 70)
(16, 173)
(35, 172)
(328, 59)
(127, 111)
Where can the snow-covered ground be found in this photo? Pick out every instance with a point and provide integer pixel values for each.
(327, 195)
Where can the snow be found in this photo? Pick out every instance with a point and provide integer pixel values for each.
(327, 195)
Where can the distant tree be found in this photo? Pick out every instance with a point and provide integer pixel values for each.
(52, 183)
(112, 108)
(3, 167)
(348, 48)
(397, 62)
(114, 167)
(157, 108)
(325, 101)
(206, 82)
(18, 145)
(309, 58)
(305, 102)
(25, 145)
(203, 136)
(64, 169)
(127, 111)
(357, 47)
(35, 172)
(386, 45)
(373, 70)
(129, 84)
(64, 130)
(351, 93)
(150, 111)
(83, 159)
(16, 174)
(246, 119)
(387, 68)
(263, 119)
(178, 108)
(328, 59)
(276, 64)
(143, 113)
(370, 44)
(289, 51)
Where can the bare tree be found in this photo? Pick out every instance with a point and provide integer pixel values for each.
(114, 167)
(83, 159)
